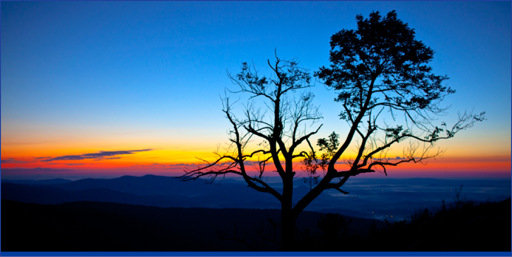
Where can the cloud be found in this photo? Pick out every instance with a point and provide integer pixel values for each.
(12, 160)
(40, 158)
(23, 170)
(95, 156)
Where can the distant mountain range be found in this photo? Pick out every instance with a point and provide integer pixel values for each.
(390, 199)
(147, 190)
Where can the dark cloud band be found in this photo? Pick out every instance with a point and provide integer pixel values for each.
(95, 156)
(12, 160)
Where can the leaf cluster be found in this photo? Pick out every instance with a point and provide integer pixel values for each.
(383, 50)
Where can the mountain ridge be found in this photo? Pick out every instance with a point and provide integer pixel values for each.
(390, 199)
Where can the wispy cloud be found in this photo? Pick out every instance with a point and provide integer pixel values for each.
(12, 160)
(94, 156)
(23, 170)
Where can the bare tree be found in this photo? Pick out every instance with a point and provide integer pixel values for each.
(277, 135)
(389, 96)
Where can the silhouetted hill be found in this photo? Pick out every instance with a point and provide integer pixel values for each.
(55, 195)
(93, 226)
(463, 227)
(147, 190)
(38, 182)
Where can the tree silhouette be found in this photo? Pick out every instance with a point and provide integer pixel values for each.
(389, 96)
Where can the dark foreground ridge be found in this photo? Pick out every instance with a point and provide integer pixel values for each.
(99, 226)
(461, 227)
(94, 226)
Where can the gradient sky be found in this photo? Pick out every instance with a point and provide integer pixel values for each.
(98, 89)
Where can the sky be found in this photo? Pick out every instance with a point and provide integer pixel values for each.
(105, 89)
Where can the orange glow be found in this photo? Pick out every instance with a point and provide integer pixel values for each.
(168, 162)
(455, 167)
(20, 152)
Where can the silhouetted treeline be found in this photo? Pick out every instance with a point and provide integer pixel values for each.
(93, 226)
(464, 226)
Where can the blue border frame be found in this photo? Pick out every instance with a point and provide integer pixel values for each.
(255, 253)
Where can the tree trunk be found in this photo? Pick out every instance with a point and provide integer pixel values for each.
(288, 219)
(288, 230)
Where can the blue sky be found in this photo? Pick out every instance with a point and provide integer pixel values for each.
(86, 71)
